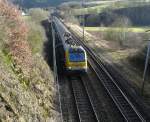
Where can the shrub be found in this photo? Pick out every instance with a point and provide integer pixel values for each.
(38, 14)
(16, 35)
(36, 35)
(121, 34)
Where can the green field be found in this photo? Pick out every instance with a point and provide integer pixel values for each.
(109, 6)
(129, 29)
(26, 17)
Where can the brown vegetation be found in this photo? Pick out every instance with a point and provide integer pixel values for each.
(26, 84)
(17, 35)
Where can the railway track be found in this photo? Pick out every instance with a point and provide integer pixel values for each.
(83, 105)
(86, 111)
(127, 109)
(68, 106)
(77, 104)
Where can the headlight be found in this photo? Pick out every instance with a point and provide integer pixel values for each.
(69, 67)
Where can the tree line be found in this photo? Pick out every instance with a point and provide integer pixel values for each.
(139, 16)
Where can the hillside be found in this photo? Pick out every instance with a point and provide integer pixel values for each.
(110, 5)
(39, 3)
(44, 3)
(138, 16)
(27, 90)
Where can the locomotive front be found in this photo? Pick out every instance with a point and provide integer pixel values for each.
(76, 59)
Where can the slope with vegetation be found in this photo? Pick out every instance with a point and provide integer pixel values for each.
(27, 89)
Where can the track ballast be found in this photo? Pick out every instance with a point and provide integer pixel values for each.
(84, 106)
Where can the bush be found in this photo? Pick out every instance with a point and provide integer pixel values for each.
(36, 35)
(26, 83)
(67, 14)
(122, 21)
(121, 35)
(38, 14)
(15, 35)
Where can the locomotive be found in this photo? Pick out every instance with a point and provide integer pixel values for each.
(73, 56)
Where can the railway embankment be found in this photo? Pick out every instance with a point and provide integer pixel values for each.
(27, 90)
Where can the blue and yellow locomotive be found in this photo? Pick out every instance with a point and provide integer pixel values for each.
(74, 57)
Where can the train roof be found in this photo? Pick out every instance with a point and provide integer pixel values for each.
(64, 34)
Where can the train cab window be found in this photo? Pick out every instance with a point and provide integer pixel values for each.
(76, 55)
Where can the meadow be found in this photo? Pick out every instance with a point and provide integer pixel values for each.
(116, 29)
(109, 6)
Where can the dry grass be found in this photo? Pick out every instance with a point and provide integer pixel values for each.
(117, 29)
(26, 84)
(17, 36)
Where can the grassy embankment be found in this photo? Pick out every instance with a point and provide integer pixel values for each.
(26, 84)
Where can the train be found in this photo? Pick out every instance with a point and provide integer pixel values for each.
(73, 56)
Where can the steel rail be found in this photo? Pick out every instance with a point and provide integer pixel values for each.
(94, 99)
(91, 101)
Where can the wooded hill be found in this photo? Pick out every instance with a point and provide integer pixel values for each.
(41, 3)
(139, 16)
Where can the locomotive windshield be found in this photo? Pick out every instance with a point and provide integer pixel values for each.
(76, 55)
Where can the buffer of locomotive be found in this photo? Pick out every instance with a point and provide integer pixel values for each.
(73, 56)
